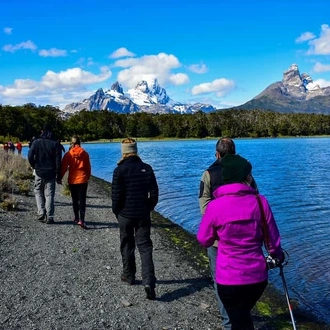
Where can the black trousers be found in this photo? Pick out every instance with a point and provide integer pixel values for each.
(238, 301)
(137, 231)
(78, 194)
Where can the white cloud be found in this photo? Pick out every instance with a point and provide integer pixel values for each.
(57, 88)
(121, 52)
(321, 45)
(305, 37)
(73, 78)
(220, 87)
(179, 79)
(53, 52)
(198, 68)
(23, 45)
(8, 30)
(150, 67)
(322, 82)
(319, 67)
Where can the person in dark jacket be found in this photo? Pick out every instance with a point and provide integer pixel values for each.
(210, 181)
(134, 195)
(45, 158)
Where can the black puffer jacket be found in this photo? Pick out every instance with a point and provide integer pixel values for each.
(45, 156)
(134, 189)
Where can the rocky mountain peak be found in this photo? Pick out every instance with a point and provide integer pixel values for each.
(117, 87)
(142, 87)
(99, 93)
(142, 98)
(306, 79)
(295, 93)
(291, 77)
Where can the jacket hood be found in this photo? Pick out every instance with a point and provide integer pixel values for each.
(216, 163)
(77, 152)
(234, 189)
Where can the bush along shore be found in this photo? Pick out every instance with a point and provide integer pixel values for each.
(60, 276)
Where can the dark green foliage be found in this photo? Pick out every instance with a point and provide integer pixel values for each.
(23, 122)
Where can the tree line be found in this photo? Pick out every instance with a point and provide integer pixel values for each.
(25, 121)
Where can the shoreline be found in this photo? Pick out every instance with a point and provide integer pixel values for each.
(58, 276)
(271, 305)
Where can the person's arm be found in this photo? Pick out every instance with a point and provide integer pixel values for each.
(154, 191)
(118, 192)
(207, 234)
(204, 191)
(65, 164)
(31, 156)
(273, 243)
(88, 167)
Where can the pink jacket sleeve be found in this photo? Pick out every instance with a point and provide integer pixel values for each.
(207, 234)
(272, 239)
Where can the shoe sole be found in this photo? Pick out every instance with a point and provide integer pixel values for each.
(151, 295)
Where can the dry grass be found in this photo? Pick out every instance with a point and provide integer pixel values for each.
(15, 179)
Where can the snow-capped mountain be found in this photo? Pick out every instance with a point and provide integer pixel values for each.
(295, 93)
(143, 95)
(142, 98)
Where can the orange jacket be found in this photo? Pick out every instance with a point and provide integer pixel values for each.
(77, 160)
(19, 146)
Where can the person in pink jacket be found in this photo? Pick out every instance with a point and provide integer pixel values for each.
(235, 218)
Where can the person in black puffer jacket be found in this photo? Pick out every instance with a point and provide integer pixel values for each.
(45, 158)
(134, 196)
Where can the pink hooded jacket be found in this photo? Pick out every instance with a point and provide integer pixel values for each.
(234, 218)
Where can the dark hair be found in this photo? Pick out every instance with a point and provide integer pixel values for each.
(46, 127)
(225, 146)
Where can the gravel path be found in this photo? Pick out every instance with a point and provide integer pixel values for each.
(62, 277)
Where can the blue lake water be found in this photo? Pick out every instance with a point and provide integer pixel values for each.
(292, 173)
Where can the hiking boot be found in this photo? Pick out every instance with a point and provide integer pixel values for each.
(41, 217)
(82, 224)
(50, 221)
(150, 291)
(130, 281)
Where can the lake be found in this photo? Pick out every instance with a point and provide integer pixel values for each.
(293, 174)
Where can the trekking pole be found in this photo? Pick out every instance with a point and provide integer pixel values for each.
(287, 296)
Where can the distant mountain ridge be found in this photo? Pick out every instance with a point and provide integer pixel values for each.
(296, 93)
(142, 98)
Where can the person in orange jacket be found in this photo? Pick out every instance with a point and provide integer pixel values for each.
(19, 147)
(76, 160)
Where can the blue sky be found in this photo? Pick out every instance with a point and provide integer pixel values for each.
(218, 52)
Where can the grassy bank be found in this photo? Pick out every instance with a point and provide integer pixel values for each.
(15, 177)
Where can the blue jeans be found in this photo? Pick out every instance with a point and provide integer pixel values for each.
(44, 190)
(212, 253)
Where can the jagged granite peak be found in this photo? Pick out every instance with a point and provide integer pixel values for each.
(144, 97)
(117, 87)
(295, 93)
(142, 86)
(306, 79)
(291, 77)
